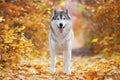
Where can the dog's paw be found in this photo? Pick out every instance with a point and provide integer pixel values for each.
(52, 71)
(68, 72)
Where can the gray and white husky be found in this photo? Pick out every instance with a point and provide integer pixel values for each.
(60, 38)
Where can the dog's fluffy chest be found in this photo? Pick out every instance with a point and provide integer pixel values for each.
(60, 46)
(62, 43)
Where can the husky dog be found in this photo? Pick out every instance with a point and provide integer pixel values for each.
(61, 38)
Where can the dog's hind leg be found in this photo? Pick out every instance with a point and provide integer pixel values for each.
(53, 59)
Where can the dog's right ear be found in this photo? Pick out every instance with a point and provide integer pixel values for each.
(54, 11)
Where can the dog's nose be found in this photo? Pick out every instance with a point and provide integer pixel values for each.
(61, 25)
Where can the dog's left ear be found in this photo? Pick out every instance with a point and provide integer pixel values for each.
(66, 11)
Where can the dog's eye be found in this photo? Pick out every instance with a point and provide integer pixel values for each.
(57, 18)
(63, 18)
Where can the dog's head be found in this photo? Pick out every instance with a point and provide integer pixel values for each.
(61, 21)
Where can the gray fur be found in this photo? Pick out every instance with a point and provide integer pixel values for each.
(60, 38)
(61, 14)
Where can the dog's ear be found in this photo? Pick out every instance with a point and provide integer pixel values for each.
(54, 11)
(66, 11)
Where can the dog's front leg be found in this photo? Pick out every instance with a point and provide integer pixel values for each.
(67, 61)
(53, 59)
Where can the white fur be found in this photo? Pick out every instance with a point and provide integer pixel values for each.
(61, 42)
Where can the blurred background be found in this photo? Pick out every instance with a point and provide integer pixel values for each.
(24, 29)
(24, 25)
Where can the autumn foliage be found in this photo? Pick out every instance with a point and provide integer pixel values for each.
(21, 21)
(107, 27)
(103, 25)
(24, 29)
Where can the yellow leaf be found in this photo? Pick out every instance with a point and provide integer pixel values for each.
(49, 12)
(100, 7)
(8, 40)
(117, 61)
(1, 19)
(20, 29)
(94, 40)
(105, 50)
(10, 32)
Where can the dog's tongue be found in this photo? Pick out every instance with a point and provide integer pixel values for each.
(61, 30)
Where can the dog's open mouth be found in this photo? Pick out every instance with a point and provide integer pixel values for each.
(61, 29)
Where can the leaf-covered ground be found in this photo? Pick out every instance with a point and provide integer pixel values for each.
(95, 67)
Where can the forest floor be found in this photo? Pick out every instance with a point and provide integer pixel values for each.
(84, 67)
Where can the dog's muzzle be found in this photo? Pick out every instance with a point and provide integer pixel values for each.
(61, 27)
